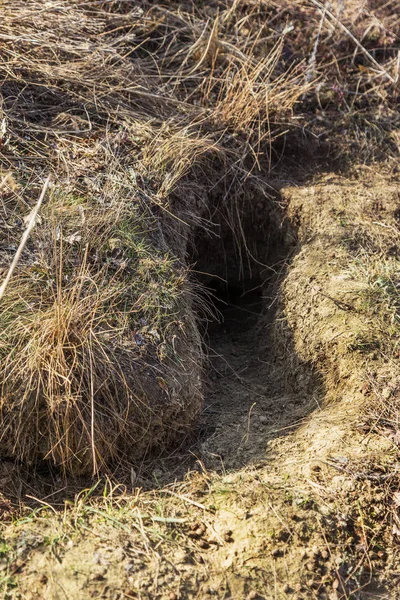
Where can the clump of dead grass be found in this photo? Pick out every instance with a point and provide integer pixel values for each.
(94, 308)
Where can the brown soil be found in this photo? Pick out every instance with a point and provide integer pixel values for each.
(251, 401)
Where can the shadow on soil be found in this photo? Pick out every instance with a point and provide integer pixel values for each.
(258, 388)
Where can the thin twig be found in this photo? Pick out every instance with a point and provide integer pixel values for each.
(25, 237)
(313, 57)
(186, 499)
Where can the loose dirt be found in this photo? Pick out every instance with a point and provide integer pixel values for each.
(250, 401)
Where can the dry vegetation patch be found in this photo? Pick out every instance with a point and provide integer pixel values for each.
(165, 127)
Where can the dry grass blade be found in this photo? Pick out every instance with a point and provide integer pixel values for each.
(28, 230)
(4, 181)
(326, 11)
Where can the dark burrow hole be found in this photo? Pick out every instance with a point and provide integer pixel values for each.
(240, 267)
(237, 263)
(237, 307)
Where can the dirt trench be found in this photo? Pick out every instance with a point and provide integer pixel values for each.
(257, 389)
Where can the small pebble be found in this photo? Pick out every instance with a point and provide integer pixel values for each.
(315, 551)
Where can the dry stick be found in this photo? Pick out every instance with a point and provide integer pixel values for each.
(186, 499)
(313, 57)
(24, 239)
(396, 79)
(354, 39)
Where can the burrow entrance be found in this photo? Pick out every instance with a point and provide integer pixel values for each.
(236, 262)
(249, 399)
(237, 307)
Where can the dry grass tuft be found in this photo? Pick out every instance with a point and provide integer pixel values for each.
(89, 326)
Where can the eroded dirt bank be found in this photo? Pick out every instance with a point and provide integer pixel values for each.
(294, 492)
